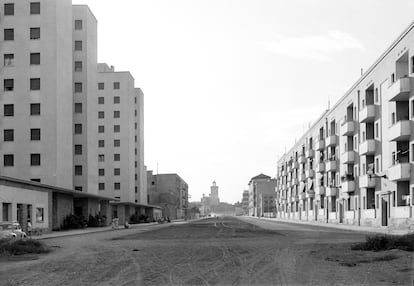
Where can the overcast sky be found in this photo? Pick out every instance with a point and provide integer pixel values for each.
(229, 84)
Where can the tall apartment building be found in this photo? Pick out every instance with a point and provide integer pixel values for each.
(65, 120)
(85, 103)
(36, 91)
(354, 165)
(119, 120)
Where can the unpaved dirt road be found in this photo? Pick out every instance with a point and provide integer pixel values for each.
(225, 251)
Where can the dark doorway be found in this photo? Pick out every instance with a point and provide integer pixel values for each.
(384, 212)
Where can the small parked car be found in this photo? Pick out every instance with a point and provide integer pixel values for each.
(11, 230)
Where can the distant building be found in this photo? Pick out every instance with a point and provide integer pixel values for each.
(210, 202)
(262, 195)
(214, 197)
(245, 202)
(170, 192)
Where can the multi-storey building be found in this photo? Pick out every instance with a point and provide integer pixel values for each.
(36, 91)
(261, 195)
(245, 202)
(354, 165)
(65, 120)
(170, 192)
(85, 147)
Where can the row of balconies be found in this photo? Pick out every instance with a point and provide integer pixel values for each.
(398, 172)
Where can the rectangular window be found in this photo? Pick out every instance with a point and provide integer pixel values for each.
(35, 33)
(117, 157)
(35, 180)
(78, 66)
(101, 172)
(78, 87)
(35, 84)
(78, 24)
(412, 64)
(117, 186)
(101, 85)
(101, 129)
(78, 107)
(8, 84)
(78, 128)
(136, 138)
(101, 158)
(8, 109)
(35, 134)
(35, 8)
(412, 152)
(377, 130)
(117, 114)
(377, 168)
(117, 128)
(117, 171)
(101, 114)
(35, 109)
(117, 143)
(117, 99)
(40, 214)
(34, 159)
(78, 170)
(135, 126)
(8, 135)
(8, 60)
(9, 34)
(101, 100)
(101, 143)
(8, 160)
(78, 149)
(78, 45)
(35, 58)
(412, 108)
(78, 188)
(116, 85)
(101, 186)
(8, 9)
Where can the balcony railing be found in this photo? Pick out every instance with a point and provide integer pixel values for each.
(400, 131)
(331, 140)
(367, 147)
(331, 165)
(366, 181)
(400, 90)
(309, 173)
(320, 167)
(320, 145)
(309, 153)
(367, 114)
(348, 157)
(331, 191)
(347, 128)
(301, 159)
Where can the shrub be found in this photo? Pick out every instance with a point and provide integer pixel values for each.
(22, 246)
(96, 221)
(386, 242)
(74, 222)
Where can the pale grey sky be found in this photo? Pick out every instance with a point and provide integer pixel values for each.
(229, 83)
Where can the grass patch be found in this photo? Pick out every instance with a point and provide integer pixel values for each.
(386, 242)
(22, 246)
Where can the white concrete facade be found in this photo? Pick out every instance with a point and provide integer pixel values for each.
(52, 106)
(355, 164)
(120, 130)
(35, 89)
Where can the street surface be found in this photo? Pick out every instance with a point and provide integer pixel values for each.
(224, 251)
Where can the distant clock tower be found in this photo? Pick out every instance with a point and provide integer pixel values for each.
(214, 197)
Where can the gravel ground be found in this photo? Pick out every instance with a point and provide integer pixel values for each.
(225, 251)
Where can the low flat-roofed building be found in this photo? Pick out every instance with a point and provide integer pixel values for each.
(47, 206)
